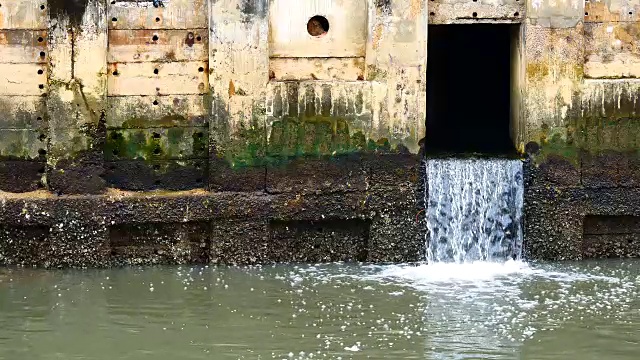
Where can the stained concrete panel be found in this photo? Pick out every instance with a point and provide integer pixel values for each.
(346, 36)
(612, 50)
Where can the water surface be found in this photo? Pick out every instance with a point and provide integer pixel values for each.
(587, 310)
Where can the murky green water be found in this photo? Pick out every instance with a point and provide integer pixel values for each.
(482, 311)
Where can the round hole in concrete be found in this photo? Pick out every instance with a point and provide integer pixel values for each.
(155, 38)
(318, 26)
(432, 13)
(157, 19)
(155, 102)
(156, 71)
(114, 19)
(40, 72)
(157, 151)
(156, 135)
(116, 73)
(42, 152)
(40, 39)
(516, 14)
(41, 86)
(586, 14)
(42, 53)
(475, 14)
(198, 38)
(201, 69)
(42, 7)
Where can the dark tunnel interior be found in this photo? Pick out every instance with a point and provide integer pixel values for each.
(469, 89)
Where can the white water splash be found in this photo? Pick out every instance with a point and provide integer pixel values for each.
(474, 210)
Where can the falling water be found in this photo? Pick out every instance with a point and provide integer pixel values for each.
(474, 210)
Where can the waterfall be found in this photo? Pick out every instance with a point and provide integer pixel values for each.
(474, 210)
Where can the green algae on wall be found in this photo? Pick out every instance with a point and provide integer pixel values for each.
(318, 136)
(156, 144)
(607, 120)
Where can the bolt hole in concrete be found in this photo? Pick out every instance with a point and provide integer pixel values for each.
(40, 72)
(42, 53)
(469, 91)
(318, 26)
(114, 19)
(156, 135)
(201, 69)
(157, 19)
(156, 71)
(155, 102)
(155, 38)
(42, 7)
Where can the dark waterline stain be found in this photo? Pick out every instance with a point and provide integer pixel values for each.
(74, 9)
(253, 8)
(384, 6)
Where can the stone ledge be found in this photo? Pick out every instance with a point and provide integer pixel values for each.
(125, 228)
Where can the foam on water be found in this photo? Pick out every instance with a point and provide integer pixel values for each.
(481, 274)
(452, 272)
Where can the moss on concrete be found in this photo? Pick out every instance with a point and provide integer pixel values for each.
(155, 144)
(170, 120)
(318, 136)
(592, 134)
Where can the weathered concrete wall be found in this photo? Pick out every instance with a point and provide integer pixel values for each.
(281, 138)
(582, 126)
(234, 98)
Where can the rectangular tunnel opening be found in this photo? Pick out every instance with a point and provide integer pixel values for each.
(472, 95)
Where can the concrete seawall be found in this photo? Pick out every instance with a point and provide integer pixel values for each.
(256, 131)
